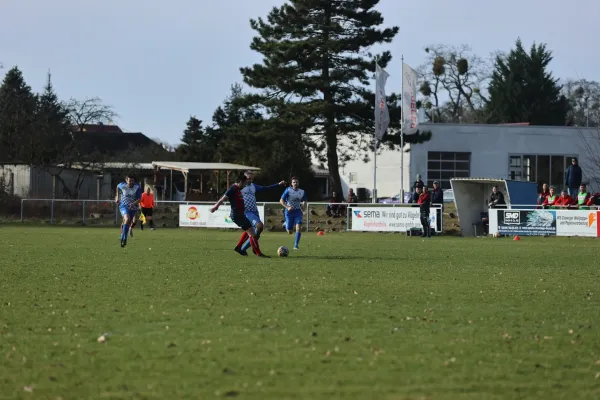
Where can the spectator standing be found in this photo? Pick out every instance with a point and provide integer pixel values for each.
(497, 199)
(424, 202)
(418, 183)
(573, 178)
(437, 195)
(415, 195)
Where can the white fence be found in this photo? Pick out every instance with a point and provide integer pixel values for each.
(359, 217)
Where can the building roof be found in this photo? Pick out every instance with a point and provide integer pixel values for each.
(319, 171)
(198, 166)
(113, 143)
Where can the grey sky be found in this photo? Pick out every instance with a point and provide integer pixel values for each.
(159, 65)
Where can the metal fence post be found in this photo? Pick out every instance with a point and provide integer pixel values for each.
(22, 211)
(83, 213)
(348, 213)
(52, 212)
(307, 216)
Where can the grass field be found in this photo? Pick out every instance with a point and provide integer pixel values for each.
(364, 316)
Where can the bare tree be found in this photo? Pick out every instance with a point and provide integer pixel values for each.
(590, 163)
(90, 111)
(584, 99)
(453, 81)
(82, 113)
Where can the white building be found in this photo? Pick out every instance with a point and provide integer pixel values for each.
(520, 152)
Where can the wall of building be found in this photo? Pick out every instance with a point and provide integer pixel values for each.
(39, 183)
(358, 174)
(491, 146)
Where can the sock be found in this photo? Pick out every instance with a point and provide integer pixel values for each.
(125, 231)
(121, 231)
(242, 239)
(297, 239)
(247, 244)
(151, 223)
(254, 244)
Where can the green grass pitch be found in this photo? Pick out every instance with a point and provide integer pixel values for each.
(351, 315)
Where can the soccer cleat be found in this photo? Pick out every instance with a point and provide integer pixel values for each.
(240, 251)
(263, 255)
(123, 242)
(296, 248)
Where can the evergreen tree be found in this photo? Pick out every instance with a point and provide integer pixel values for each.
(317, 73)
(17, 118)
(53, 141)
(523, 90)
(195, 144)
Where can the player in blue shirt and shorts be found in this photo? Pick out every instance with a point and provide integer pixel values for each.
(292, 199)
(249, 194)
(128, 197)
(238, 216)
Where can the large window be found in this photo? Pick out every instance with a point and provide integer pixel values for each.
(539, 168)
(443, 166)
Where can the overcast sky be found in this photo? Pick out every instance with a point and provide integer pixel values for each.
(158, 62)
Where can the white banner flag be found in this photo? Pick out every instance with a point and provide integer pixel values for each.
(382, 114)
(409, 100)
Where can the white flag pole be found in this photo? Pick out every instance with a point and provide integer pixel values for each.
(374, 194)
(402, 137)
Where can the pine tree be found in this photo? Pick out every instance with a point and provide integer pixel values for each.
(522, 89)
(195, 145)
(317, 73)
(17, 118)
(53, 143)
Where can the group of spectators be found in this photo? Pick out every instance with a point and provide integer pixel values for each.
(436, 195)
(548, 198)
(338, 207)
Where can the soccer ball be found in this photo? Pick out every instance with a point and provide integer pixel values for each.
(282, 251)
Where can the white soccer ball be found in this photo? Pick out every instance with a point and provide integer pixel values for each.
(283, 251)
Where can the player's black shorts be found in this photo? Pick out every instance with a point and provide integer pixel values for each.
(147, 211)
(242, 221)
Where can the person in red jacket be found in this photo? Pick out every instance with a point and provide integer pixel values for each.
(550, 198)
(543, 194)
(425, 207)
(565, 201)
(594, 200)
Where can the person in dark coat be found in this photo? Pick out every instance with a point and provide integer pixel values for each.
(573, 178)
(497, 199)
(437, 194)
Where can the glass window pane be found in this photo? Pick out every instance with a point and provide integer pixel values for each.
(462, 174)
(557, 177)
(445, 184)
(447, 166)
(514, 161)
(543, 170)
(447, 174)
(447, 156)
(462, 165)
(529, 168)
(433, 155)
(435, 175)
(433, 165)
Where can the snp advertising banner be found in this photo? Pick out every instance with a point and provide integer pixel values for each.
(577, 223)
(391, 219)
(199, 216)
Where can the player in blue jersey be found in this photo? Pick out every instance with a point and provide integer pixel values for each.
(292, 199)
(249, 194)
(238, 216)
(128, 197)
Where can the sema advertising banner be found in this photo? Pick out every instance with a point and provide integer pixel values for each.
(577, 223)
(527, 222)
(391, 219)
(199, 216)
